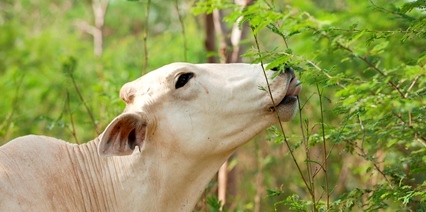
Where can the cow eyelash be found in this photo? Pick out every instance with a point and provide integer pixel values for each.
(183, 79)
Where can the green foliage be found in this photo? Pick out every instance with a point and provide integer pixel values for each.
(39, 96)
(214, 204)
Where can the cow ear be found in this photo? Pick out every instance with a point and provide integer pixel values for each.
(122, 135)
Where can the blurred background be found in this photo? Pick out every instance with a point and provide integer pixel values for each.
(359, 137)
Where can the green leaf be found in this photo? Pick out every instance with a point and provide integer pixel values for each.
(379, 48)
(273, 193)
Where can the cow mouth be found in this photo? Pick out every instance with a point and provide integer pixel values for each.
(293, 91)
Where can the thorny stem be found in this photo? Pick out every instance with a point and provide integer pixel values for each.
(280, 124)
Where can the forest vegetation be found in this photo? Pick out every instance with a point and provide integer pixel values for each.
(358, 142)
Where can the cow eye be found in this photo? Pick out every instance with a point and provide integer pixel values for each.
(183, 79)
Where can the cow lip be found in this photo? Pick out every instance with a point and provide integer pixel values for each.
(287, 99)
(294, 87)
(292, 93)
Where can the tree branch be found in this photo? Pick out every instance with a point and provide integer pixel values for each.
(145, 37)
(182, 25)
(99, 10)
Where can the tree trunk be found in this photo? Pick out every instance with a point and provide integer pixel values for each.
(230, 51)
(99, 9)
(210, 41)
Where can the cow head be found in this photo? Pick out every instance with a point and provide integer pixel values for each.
(199, 110)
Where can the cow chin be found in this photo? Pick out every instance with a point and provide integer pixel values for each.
(287, 108)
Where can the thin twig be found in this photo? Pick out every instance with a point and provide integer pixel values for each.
(279, 120)
(307, 151)
(89, 111)
(412, 85)
(391, 12)
(364, 154)
(322, 71)
(182, 25)
(314, 65)
(363, 58)
(325, 149)
(376, 31)
(331, 149)
(421, 138)
(280, 34)
(145, 37)
(15, 102)
(393, 85)
(73, 129)
(229, 52)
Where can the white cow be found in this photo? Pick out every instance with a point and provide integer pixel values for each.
(180, 124)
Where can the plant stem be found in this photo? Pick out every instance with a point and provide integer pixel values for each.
(363, 58)
(307, 152)
(364, 153)
(145, 37)
(5, 124)
(182, 25)
(378, 31)
(280, 124)
(89, 111)
(325, 149)
(73, 130)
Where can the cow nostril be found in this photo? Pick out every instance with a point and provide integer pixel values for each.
(275, 69)
(289, 69)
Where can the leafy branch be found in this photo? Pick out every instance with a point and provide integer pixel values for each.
(363, 58)
(308, 183)
(324, 167)
(73, 128)
(380, 72)
(69, 67)
(279, 120)
(6, 122)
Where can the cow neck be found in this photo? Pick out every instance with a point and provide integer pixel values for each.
(155, 179)
(164, 180)
(97, 177)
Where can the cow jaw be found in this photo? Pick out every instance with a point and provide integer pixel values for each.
(286, 108)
